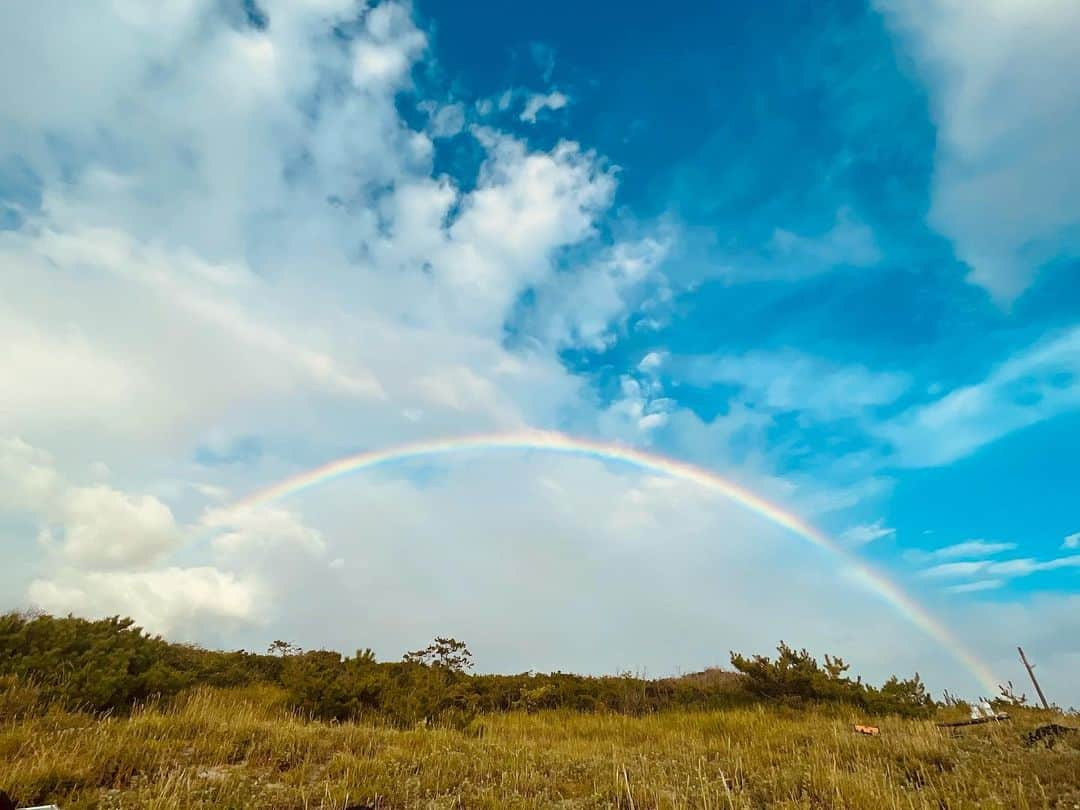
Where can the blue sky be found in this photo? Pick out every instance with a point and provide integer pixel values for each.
(741, 122)
(831, 252)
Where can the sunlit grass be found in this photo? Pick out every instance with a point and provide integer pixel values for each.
(233, 749)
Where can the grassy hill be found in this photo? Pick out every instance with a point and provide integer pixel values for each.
(706, 740)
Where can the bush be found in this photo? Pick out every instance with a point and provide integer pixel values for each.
(112, 665)
(796, 676)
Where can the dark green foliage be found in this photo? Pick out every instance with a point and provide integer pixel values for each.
(796, 676)
(445, 653)
(111, 665)
(282, 648)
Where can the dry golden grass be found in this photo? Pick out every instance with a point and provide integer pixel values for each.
(242, 750)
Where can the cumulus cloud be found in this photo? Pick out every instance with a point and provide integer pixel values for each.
(382, 59)
(28, 479)
(109, 550)
(588, 307)
(249, 531)
(168, 600)
(105, 528)
(542, 101)
(193, 287)
(1006, 184)
(640, 408)
(99, 526)
(651, 362)
(271, 257)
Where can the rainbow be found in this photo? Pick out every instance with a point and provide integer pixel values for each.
(553, 442)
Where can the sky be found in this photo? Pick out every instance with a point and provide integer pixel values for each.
(828, 252)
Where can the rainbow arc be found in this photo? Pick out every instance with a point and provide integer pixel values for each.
(553, 442)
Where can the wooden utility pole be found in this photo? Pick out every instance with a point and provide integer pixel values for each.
(1031, 672)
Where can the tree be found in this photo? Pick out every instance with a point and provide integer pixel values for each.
(283, 648)
(793, 674)
(444, 653)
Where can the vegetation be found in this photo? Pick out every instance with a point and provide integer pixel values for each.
(101, 715)
(797, 677)
(111, 665)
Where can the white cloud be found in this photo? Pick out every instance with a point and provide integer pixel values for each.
(1071, 541)
(847, 242)
(191, 290)
(588, 307)
(651, 362)
(100, 527)
(965, 568)
(978, 585)
(640, 409)
(53, 37)
(446, 120)
(105, 528)
(211, 491)
(866, 533)
(1019, 567)
(542, 101)
(968, 548)
(104, 543)
(1001, 76)
(249, 531)
(272, 257)
(525, 206)
(1034, 385)
(28, 479)
(792, 381)
(171, 600)
(383, 59)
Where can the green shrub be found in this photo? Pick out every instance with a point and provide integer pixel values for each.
(111, 665)
(795, 676)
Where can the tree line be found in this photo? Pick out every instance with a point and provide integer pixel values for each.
(112, 665)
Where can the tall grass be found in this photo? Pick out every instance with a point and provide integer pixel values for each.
(245, 749)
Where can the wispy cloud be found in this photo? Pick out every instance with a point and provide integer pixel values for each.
(1035, 384)
(971, 549)
(790, 380)
(1008, 569)
(866, 533)
(847, 242)
(978, 585)
(1071, 540)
